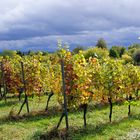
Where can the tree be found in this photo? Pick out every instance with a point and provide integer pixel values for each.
(117, 50)
(135, 45)
(122, 50)
(31, 53)
(77, 49)
(101, 43)
(45, 53)
(113, 53)
(136, 57)
(132, 49)
(19, 53)
(9, 53)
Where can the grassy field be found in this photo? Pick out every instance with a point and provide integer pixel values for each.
(37, 123)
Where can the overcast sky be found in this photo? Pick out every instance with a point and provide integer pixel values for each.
(38, 24)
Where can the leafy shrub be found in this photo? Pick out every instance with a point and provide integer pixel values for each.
(127, 58)
(96, 52)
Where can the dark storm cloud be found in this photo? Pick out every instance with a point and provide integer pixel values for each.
(37, 25)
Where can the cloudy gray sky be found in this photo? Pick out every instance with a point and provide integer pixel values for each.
(38, 24)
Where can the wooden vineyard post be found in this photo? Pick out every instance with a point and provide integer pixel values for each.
(111, 107)
(3, 82)
(65, 112)
(24, 89)
(64, 94)
(129, 106)
(84, 116)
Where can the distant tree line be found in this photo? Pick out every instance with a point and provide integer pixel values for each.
(100, 50)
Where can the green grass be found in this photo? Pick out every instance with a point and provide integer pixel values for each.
(37, 123)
